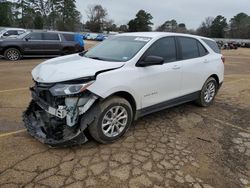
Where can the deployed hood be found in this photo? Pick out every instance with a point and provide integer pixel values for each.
(70, 67)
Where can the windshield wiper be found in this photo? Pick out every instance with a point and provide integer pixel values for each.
(97, 58)
(91, 57)
(83, 53)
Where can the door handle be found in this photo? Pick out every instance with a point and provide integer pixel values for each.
(176, 67)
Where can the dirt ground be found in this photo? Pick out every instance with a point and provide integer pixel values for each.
(185, 146)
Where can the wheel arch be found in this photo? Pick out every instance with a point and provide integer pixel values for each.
(215, 76)
(12, 46)
(126, 95)
(68, 49)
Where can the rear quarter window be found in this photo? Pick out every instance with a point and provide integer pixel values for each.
(213, 45)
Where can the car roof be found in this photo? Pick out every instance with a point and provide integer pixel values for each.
(8, 28)
(161, 34)
(49, 31)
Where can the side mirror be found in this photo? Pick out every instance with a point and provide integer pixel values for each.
(27, 39)
(6, 34)
(150, 61)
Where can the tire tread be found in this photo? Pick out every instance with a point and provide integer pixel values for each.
(94, 128)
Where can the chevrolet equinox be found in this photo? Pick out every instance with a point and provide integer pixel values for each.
(101, 91)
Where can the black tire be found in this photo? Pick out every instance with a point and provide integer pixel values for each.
(67, 51)
(95, 128)
(201, 101)
(12, 54)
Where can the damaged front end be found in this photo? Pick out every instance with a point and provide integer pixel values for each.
(55, 112)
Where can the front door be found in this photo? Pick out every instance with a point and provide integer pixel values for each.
(33, 44)
(160, 83)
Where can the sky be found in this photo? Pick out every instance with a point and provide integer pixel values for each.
(190, 12)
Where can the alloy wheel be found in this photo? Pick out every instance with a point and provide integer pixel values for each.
(13, 55)
(114, 121)
(209, 92)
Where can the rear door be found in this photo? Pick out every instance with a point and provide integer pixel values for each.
(52, 43)
(195, 63)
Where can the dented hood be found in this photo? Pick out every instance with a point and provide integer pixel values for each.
(69, 68)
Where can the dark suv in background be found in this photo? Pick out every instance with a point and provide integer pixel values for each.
(40, 43)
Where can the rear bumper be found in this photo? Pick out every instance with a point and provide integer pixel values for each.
(35, 126)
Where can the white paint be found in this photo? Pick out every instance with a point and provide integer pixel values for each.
(148, 85)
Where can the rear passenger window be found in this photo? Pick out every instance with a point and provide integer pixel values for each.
(20, 32)
(189, 48)
(213, 45)
(164, 48)
(203, 51)
(69, 37)
(35, 36)
(50, 36)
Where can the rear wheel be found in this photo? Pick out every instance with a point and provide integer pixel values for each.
(113, 121)
(208, 92)
(67, 51)
(12, 54)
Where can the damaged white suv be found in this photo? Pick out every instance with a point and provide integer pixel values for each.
(103, 90)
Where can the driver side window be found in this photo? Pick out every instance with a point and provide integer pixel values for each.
(164, 48)
(12, 32)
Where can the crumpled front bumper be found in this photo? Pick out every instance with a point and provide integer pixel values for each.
(35, 127)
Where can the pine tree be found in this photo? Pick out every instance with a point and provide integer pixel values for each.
(6, 13)
(69, 16)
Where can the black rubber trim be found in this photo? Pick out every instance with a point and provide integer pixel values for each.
(220, 85)
(44, 105)
(35, 129)
(167, 104)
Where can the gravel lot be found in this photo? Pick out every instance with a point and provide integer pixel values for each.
(185, 146)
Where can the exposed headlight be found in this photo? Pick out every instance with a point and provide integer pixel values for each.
(68, 89)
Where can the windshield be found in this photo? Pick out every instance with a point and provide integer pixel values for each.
(23, 35)
(120, 48)
(2, 30)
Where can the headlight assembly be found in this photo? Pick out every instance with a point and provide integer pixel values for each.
(68, 89)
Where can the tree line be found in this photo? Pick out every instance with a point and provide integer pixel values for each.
(40, 14)
(63, 15)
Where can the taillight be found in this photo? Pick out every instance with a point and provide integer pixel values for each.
(223, 59)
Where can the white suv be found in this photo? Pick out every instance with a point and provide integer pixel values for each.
(123, 78)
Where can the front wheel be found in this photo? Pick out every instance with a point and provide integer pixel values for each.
(113, 121)
(12, 54)
(208, 93)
